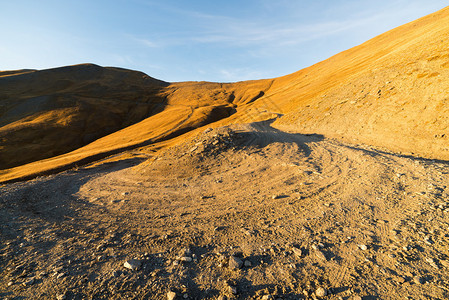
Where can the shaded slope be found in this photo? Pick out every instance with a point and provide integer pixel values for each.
(50, 112)
(178, 108)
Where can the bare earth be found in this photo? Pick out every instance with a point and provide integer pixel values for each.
(308, 218)
(281, 198)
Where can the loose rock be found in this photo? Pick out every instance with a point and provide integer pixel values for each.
(171, 295)
(363, 247)
(133, 264)
(61, 297)
(320, 292)
(297, 251)
(235, 263)
(419, 280)
(185, 259)
(28, 282)
(233, 289)
(320, 255)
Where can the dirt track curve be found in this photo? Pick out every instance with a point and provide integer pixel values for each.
(367, 223)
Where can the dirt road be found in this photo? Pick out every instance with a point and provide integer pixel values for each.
(246, 212)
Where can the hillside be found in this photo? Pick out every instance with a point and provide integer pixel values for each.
(389, 92)
(329, 183)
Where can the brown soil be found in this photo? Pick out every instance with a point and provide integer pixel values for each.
(327, 183)
(251, 191)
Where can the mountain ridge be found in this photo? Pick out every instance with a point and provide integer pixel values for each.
(355, 96)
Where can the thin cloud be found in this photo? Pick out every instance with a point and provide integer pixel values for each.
(144, 41)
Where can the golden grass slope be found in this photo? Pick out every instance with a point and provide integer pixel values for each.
(390, 92)
(61, 123)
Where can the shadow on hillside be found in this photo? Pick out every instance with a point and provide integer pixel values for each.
(378, 152)
(53, 200)
(264, 134)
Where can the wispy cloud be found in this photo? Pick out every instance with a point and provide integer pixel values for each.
(144, 41)
(239, 74)
(230, 31)
(243, 32)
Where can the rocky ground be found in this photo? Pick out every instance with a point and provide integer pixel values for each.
(244, 212)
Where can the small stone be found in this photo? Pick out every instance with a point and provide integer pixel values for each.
(28, 282)
(363, 247)
(222, 297)
(61, 297)
(445, 263)
(116, 274)
(60, 275)
(247, 263)
(320, 292)
(43, 274)
(419, 280)
(233, 289)
(185, 259)
(400, 279)
(267, 297)
(171, 295)
(432, 262)
(235, 263)
(320, 255)
(133, 264)
(10, 283)
(297, 252)
(428, 241)
(356, 297)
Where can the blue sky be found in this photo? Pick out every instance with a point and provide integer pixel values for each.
(180, 40)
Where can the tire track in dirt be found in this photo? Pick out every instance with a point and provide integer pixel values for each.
(256, 190)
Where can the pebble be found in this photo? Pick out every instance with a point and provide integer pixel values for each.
(445, 263)
(432, 262)
(320, 292)
(133, 264)
(356, 298)
(428, 241)
(267, 297)
(116, 274)
(185, 259)
(235, 263)
(320, 255)
(297, 251)
(233, 289)
(171, 295)
(418, 280)
(363, 247)
(61, 297)
(29, 282)
(10, 283)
